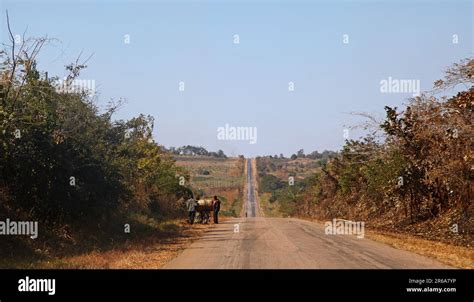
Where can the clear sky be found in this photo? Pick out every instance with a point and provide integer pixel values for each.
(246, 84)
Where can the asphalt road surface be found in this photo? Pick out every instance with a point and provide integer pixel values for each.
(263, 242)
(255, 242)
(251, 203)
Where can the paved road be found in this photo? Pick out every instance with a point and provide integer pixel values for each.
(251, 206)
(261, 242)
(290, 243)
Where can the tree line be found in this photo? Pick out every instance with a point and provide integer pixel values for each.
(67, 164)
(196, 151)
(415, 165)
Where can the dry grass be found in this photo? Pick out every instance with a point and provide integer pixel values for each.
(151, 253)
(456, 256)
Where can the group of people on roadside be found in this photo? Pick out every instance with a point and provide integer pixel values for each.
(192, 203)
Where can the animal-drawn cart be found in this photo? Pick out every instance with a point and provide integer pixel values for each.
(204, 209)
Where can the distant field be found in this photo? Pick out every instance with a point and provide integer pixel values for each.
(300, 168)
(277, 196)
(223, 177)
(271, 209)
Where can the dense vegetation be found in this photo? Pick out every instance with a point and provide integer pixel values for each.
(415, 168)
(69, 166)
(283, 179)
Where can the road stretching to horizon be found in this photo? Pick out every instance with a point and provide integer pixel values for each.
(251, 203)
(257, 242)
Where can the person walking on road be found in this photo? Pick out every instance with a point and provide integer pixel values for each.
(216, 205)
(191, 204)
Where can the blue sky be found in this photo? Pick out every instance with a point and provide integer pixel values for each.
(246, 84)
